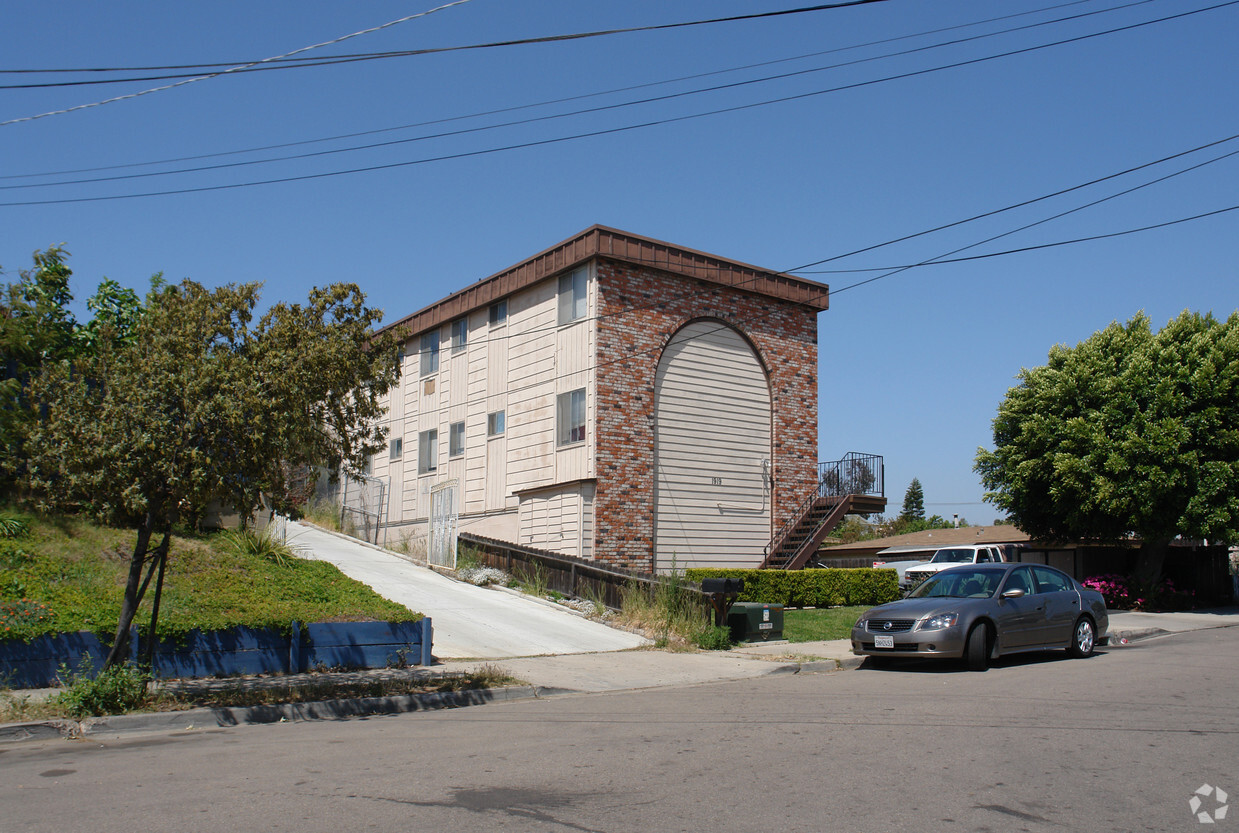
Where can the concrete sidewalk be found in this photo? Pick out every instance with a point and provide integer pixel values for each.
(648, 669)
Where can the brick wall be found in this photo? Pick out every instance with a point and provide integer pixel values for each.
(639, 310)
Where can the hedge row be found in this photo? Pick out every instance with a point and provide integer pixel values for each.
(826, 587)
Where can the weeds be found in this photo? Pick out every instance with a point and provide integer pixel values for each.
(534, 580)
(666, 609)
(77, 702)
(115, 690)
(324, 513)
(713, 638)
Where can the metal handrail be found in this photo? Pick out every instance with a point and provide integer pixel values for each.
(855, 474)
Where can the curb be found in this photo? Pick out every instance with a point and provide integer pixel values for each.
(1120, 639)
(192, 719)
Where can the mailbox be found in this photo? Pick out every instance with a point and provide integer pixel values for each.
(722, 593)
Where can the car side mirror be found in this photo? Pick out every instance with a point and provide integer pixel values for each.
(1013, 593)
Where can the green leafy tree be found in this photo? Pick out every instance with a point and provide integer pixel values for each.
(37, 327)
(913, 502)
(199, 404)
(1129, 433)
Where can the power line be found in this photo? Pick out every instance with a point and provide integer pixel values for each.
(289, 62)
(591, 110)
(566, 99)
(935, 261)
(235, 69)
(630, 127)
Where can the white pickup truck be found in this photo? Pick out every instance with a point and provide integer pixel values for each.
(951, 557)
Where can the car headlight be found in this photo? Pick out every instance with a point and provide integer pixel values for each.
(940, 621)
(861, 625)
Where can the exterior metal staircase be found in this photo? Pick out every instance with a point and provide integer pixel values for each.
(853, 485)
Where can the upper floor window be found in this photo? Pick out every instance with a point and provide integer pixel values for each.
(499, 313)
(395, 449)
(460, 334)
(427, 451)
(573, 295)
(495, 423)
(456, 439)
(430, 352)
(570, 417)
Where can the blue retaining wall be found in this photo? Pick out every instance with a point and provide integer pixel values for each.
(35, 664)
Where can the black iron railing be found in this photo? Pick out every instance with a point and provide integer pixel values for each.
(855, 474)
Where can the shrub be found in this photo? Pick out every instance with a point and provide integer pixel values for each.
(826, 587)
(21, 616)
(483, 576)
(258, 543)
(11, 526)
(1124, 593)
(114, 690)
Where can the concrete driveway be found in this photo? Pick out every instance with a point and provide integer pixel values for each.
(469, 622)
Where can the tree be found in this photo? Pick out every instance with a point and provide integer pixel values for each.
(1129, 433)
(198, 405)
(37, 327)
(913, 502)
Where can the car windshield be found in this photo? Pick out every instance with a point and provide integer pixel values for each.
(952, 556)
(960, 584)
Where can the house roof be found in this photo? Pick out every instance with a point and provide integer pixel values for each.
(600, 241)
(931, 539)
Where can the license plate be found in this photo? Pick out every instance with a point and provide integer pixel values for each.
(883, 641)
(765, 626)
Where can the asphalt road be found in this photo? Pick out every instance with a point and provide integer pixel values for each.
(1118, 742)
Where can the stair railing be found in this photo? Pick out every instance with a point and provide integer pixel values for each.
(855, 474)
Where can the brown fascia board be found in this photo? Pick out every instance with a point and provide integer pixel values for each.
(602, 242)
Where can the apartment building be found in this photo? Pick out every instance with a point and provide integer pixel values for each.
(612, 397)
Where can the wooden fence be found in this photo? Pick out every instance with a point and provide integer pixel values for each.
(563, 573)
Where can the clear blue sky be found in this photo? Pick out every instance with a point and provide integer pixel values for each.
(912, 366)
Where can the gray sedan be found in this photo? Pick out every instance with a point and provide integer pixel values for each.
(984, 611)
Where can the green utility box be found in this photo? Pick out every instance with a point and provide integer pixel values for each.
(754, 622)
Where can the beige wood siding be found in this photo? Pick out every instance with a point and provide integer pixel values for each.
(561, 520)
(712, 446)
(519, 367)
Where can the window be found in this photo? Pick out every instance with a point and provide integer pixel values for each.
(570, 417)
(430, 353)
(456, 439)
(395, 448)
(495, 423)
(499, 313)
(1050, 581)
(573, 296)
(427, 451)
(460, 334)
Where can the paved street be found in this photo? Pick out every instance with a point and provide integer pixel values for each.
(468, 621)
(1116, 742)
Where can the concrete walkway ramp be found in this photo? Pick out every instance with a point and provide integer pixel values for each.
(469, 622)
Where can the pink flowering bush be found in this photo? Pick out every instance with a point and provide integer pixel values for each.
(1123, 593)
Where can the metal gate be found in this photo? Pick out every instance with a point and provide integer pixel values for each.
(363, 506)
(443, 516)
